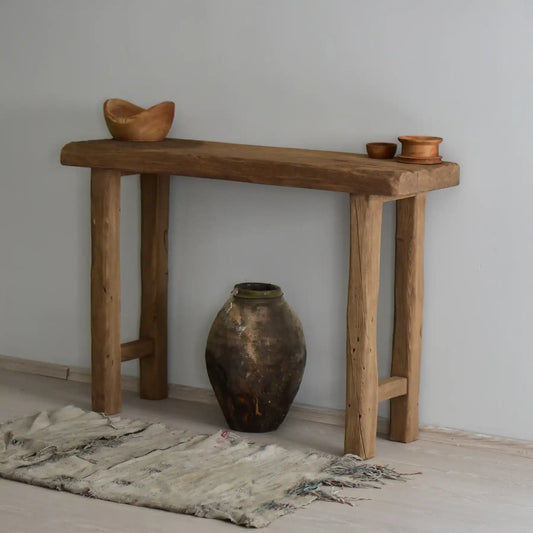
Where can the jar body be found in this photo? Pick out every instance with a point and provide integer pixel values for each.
(255, 357)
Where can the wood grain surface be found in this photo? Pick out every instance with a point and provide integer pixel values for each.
(105, 290)
(292, 167)
(408, 306)
(361, 344)
(137, 349)
(154, 280)
(391, 388)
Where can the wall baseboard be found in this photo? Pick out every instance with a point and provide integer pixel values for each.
(300, 412)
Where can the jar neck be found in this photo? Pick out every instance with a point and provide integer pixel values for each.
(253, 290)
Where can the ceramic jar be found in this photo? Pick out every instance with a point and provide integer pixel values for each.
(255, 357)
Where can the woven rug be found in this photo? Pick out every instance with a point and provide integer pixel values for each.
(219, 476)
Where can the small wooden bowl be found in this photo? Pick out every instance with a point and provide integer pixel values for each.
(381, 150)
(129, 122)
(420, 149)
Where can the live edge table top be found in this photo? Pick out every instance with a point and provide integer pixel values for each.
(290, 167)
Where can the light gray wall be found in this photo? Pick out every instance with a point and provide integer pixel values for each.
(325, 74)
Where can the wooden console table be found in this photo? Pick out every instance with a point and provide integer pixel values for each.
(369, 183)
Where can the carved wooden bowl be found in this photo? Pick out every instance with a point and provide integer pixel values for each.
(381, 150)
(129, 122)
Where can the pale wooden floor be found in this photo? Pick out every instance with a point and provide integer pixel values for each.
(467, 485)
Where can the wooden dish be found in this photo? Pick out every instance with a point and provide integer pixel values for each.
(381, 150)
(420, 149)
(129, 122)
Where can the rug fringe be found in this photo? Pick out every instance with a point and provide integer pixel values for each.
(349, 471)
(360, 472)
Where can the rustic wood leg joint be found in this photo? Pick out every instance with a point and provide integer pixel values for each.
(392, 387)
(137, 349)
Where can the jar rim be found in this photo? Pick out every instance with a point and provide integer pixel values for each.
(252, 289)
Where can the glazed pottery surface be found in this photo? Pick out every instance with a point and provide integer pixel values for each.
(129, 122)
(255, 357)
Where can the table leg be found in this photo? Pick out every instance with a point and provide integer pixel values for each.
(154, 279)
(361, 346)
(105, 290)
(408, 297)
